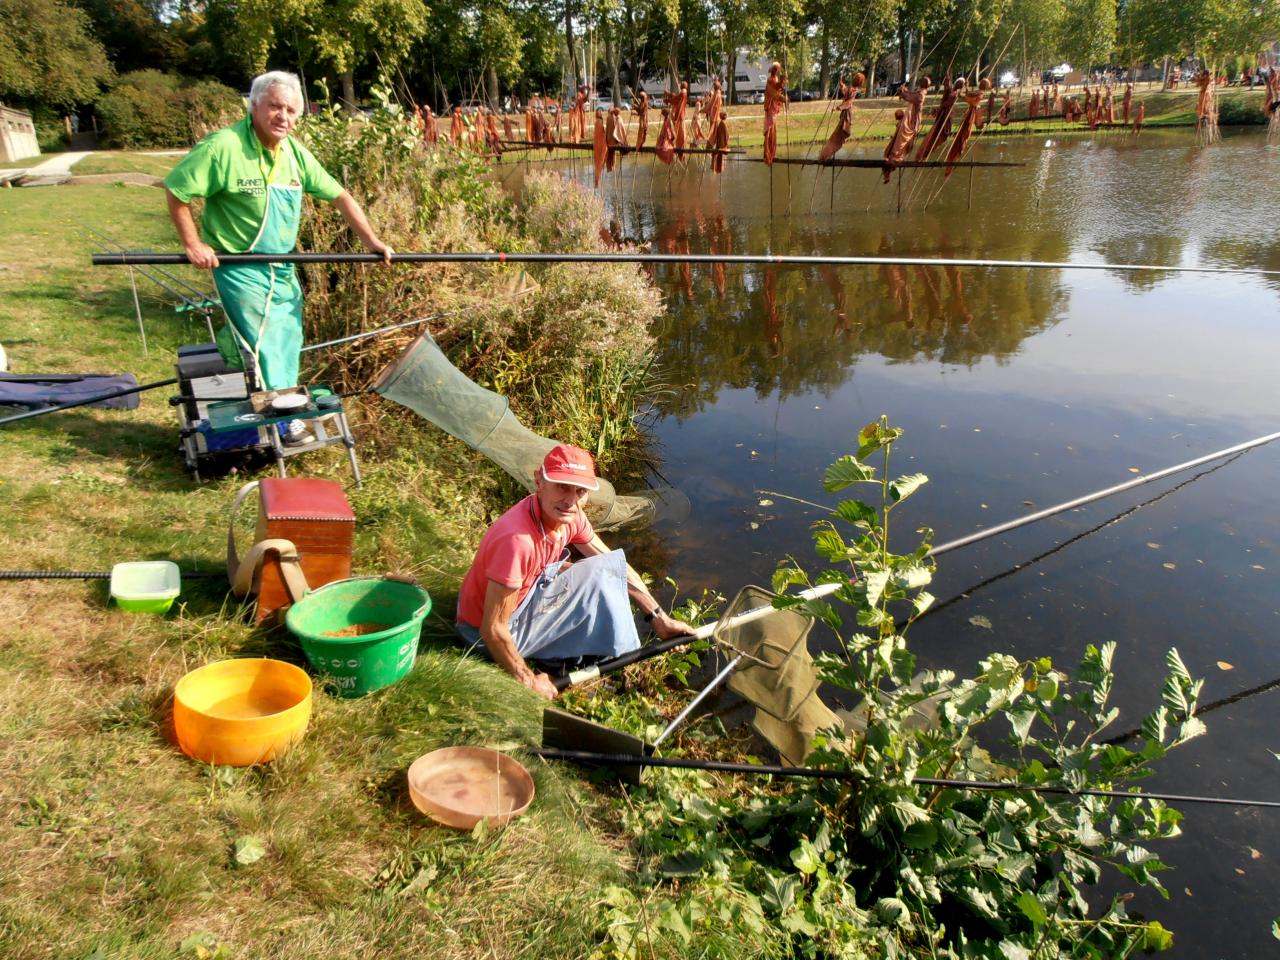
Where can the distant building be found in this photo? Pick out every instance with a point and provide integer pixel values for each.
(17, 135)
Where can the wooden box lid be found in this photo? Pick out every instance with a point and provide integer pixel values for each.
(303, 498)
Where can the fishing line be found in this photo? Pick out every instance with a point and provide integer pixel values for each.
(823, 773)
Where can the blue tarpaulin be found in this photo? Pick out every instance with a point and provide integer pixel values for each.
(37, 390)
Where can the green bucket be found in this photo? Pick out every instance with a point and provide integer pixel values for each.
(360, 634)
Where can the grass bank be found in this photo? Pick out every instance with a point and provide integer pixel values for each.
(115, 844)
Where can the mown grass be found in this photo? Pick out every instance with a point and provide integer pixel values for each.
(117, 845)
(125, 161)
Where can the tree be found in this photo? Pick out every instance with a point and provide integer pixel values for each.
(137, 34)
(337, 35)
(50, 57)
(1088, 32)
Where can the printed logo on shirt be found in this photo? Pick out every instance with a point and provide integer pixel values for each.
(252, 187)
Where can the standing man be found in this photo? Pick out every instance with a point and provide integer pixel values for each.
(523, 597)
(252, 176)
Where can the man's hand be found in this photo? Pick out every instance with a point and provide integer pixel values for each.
(542, 685)
(377, 246)
(201, 255)
(667, 627)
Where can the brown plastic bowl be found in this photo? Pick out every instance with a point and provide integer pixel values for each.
(460, 786)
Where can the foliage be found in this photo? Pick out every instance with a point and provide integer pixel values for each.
(153, 109)
(570, 345)
(881, 865)
(49, 56)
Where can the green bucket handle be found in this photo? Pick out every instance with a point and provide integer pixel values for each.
(394, 577)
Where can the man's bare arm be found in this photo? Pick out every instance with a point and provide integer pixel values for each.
(198, 252)
(354, 215)
(500, 602)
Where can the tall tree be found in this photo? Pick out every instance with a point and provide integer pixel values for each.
(49, 57)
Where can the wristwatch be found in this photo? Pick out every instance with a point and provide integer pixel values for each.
(648, 617)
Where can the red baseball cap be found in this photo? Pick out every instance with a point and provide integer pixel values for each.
(572, 465)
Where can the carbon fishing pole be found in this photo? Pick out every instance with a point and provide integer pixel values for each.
(146, 257)
(124, 392)
(823, 773)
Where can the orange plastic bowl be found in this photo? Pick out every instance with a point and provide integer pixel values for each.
(241, 712)
(460, 786)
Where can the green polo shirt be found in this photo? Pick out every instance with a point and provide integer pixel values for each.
(231, 169)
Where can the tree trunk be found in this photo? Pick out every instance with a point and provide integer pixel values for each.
(673, 62)
(349, 91)
(824, 70)
(569, 44)
(1164, 82)
(491, 94)
(611, 54)
(903, 33)
(732, 67)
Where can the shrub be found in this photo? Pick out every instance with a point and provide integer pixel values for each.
(567, 344)
(148, 108)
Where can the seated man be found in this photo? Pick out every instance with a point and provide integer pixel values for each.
(524, 598)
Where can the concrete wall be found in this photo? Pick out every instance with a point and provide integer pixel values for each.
(17, 135)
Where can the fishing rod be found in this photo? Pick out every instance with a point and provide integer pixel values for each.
(799, 260)
(1098, 495)
(648, 651)
(823, 773)
(85, 401)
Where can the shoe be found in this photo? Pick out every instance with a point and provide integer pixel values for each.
(295, 433)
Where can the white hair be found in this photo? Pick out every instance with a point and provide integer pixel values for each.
(263, 84)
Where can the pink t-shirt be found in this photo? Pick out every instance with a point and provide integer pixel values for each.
(513, 551)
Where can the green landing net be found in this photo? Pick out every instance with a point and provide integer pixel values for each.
(424, 380)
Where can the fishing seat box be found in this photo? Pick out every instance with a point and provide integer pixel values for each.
(314, 515)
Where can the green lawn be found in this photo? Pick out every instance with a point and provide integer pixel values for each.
(117, 845)
(125, 161)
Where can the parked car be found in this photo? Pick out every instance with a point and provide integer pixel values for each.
(757, 97)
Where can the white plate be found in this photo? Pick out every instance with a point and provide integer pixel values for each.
(289, 401)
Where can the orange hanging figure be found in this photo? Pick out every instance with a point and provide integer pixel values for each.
(641, 109)
(615, 135)
(679, 104)
(844, 126)
(1033, 108)
(695, 133)
(713, 104)
(1108, 111)
(775, 99)
(1127, 102)
(1139, 117)
(430, 130)
(599, 146)
(941, 128)
(1005, 106)
(457, 127)
(578, 116)
(718, 140)
(967, 125)
(492, 140)
(665, 148)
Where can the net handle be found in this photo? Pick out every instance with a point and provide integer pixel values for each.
(702, 633)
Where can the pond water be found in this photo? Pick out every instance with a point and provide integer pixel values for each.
(1017, 389)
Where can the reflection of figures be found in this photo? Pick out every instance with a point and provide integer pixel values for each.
(641, 109)
(839, 298)
(772, 325)
(942, 121)
(899, 289)
(958, 305)
(775, 98)
(967, 125)
(721, 242)
(844, 126)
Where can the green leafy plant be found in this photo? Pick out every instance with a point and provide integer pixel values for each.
(877, 864)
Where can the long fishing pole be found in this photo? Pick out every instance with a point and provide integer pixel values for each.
(823, 773)
(500, 257)
(124, 392)
(1098, 495)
